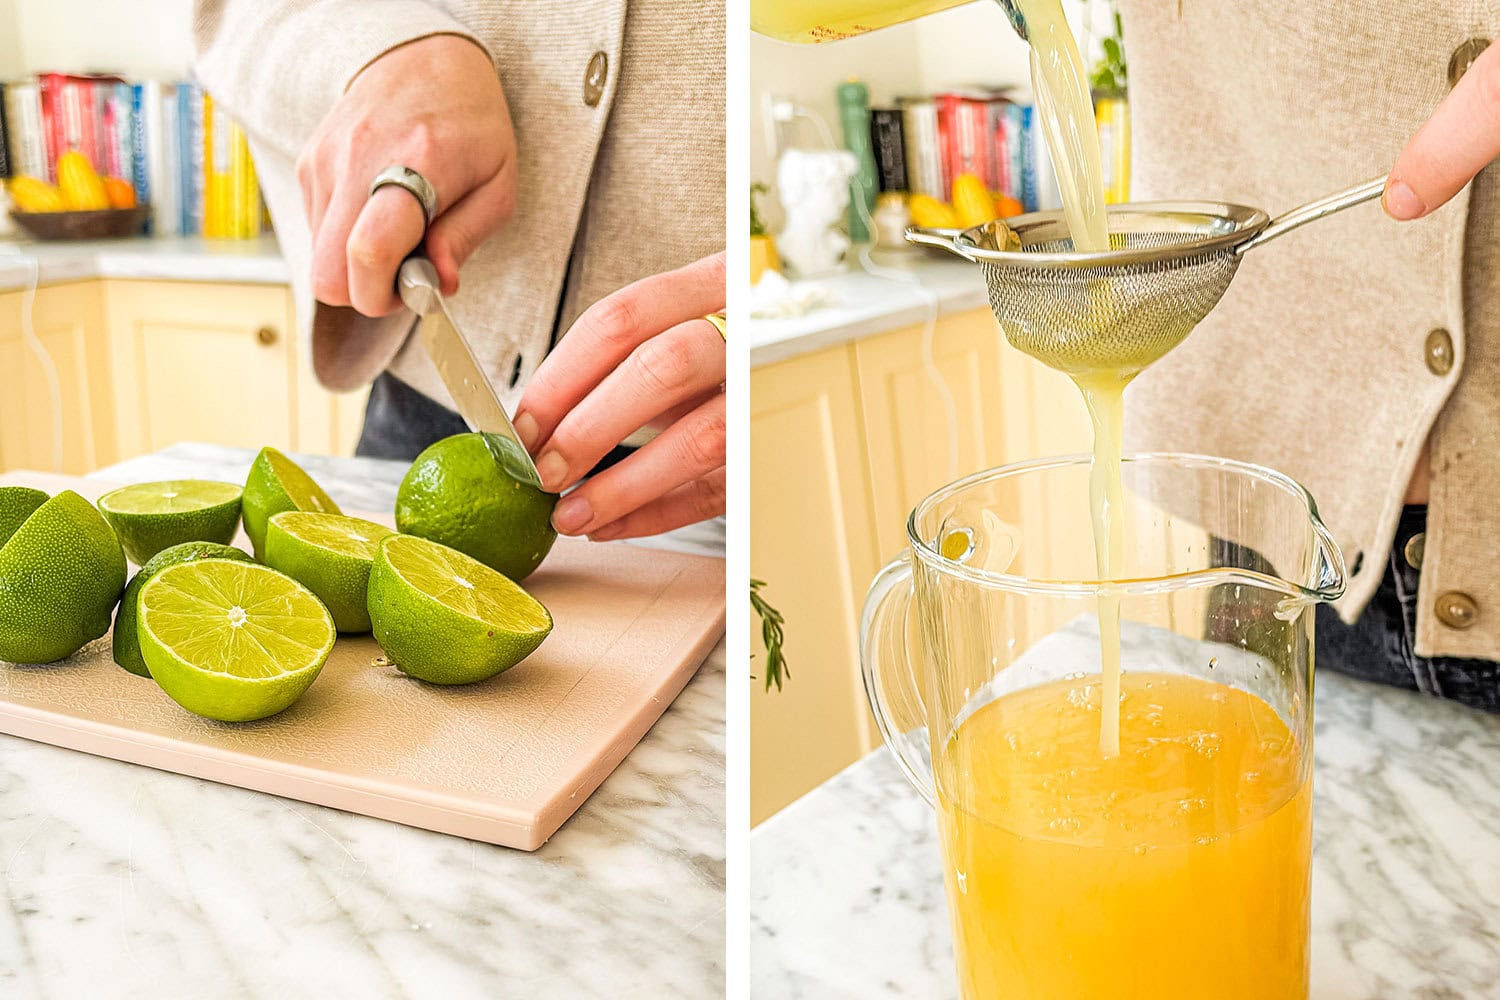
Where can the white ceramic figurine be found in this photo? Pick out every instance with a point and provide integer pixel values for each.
(814, 189)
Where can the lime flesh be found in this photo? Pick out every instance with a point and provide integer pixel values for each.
(232, 641)
(446, 618)
(331, 555)
(125, 639)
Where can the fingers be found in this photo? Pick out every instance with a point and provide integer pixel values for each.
(388, 228)
(687, 504)
(606, 334)
(1460, 139)
(687, 451)
(664, 372)
(458, 232)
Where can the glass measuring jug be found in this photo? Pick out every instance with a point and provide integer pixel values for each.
(1180, 866)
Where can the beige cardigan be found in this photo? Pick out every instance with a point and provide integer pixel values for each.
(1316, 361)
(608, 194)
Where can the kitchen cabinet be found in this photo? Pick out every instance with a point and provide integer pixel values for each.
(143, 364)
(219, 363)
(812, 540)
(65, 321)
(844, 442)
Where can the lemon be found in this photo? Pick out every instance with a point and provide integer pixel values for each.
(443, 617)
(331, 555)
(150, 517)
(276, 483)
(17, 504)
(232, 641)
(457, 494)
(61, 572)
(125, 641)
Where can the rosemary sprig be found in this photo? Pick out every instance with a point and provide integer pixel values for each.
(771, 634)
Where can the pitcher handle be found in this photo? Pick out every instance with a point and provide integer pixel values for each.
(890, 676)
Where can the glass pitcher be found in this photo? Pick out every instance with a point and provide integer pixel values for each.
(1178, 867)
(831, 20)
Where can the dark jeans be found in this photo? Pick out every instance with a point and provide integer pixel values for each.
(1379, 646)
(400, 422)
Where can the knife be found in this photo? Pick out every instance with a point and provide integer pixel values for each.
(471, 389)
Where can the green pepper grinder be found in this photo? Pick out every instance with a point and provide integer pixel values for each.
(854, 112)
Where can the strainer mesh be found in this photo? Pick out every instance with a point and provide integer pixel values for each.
(1109, 317)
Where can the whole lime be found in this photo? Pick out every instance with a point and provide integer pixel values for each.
(61, 572)
(126, 642)
(456, 494)
(17, 503)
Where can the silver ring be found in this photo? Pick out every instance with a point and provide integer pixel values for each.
(413, 183)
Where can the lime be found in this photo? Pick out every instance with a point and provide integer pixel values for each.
(232, 641)
(443, 617)
(331, 555)
(150, 517)
(276, 484)
(17, 504)
(457, 494)
(61, 572)
(125, 641)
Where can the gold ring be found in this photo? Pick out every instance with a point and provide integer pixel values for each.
(717, 319)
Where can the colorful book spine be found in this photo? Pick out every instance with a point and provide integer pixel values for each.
(24, 132)
(1015, 150)
(1028, 195)
(7, 169)
(190, 158)
(218, 188)
(924, 165)
(140, 169)
(963, 122)
(113, 102)
(888, 142)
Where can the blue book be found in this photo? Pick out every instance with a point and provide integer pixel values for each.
(1028, 160)
(189, 155)
(140, 175)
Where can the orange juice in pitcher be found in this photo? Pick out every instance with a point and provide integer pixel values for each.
(1175, 870)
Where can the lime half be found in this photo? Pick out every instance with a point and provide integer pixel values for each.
(149, 517)
(125, 640)
(232, 641)
(443, 617)
(275, 484)
(61, 572)
(331, 555)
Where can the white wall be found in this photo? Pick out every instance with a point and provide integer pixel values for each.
(139, 38)
(967, 46)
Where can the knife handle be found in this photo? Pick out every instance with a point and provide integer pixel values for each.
(417, 283)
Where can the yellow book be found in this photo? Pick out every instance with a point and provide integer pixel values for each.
(217, 192)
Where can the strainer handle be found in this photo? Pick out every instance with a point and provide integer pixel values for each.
(943, 239)
(1315, 210)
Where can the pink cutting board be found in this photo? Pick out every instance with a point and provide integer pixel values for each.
(505, 761)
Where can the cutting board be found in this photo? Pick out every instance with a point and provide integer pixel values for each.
(505, 761)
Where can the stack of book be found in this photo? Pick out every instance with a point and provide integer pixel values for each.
(183, 155)
(924, 143)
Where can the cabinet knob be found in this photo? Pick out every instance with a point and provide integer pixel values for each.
(266, 336)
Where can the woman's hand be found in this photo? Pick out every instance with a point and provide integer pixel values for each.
(640, 356)
(1460, 139)
(434, 105)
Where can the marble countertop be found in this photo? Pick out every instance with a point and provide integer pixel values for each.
(122, 881)
(864, 304)
(166, 258)
(847, 892)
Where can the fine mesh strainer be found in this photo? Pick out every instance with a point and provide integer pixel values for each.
(1120, 309)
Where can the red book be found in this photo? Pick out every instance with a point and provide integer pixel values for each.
(963, 122)
(54, 131)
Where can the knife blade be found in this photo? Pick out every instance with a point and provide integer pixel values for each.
(454, 359)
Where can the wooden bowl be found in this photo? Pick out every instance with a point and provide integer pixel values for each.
(103, 224)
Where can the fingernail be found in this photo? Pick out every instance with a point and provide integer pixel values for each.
(553, 469)
(1401, 202)
(526, 429)
(572, 514)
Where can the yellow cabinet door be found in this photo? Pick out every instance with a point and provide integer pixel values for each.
(219, 363)
(55, 408)
(811, 541)
(198, 362)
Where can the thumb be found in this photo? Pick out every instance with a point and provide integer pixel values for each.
(478, 215)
